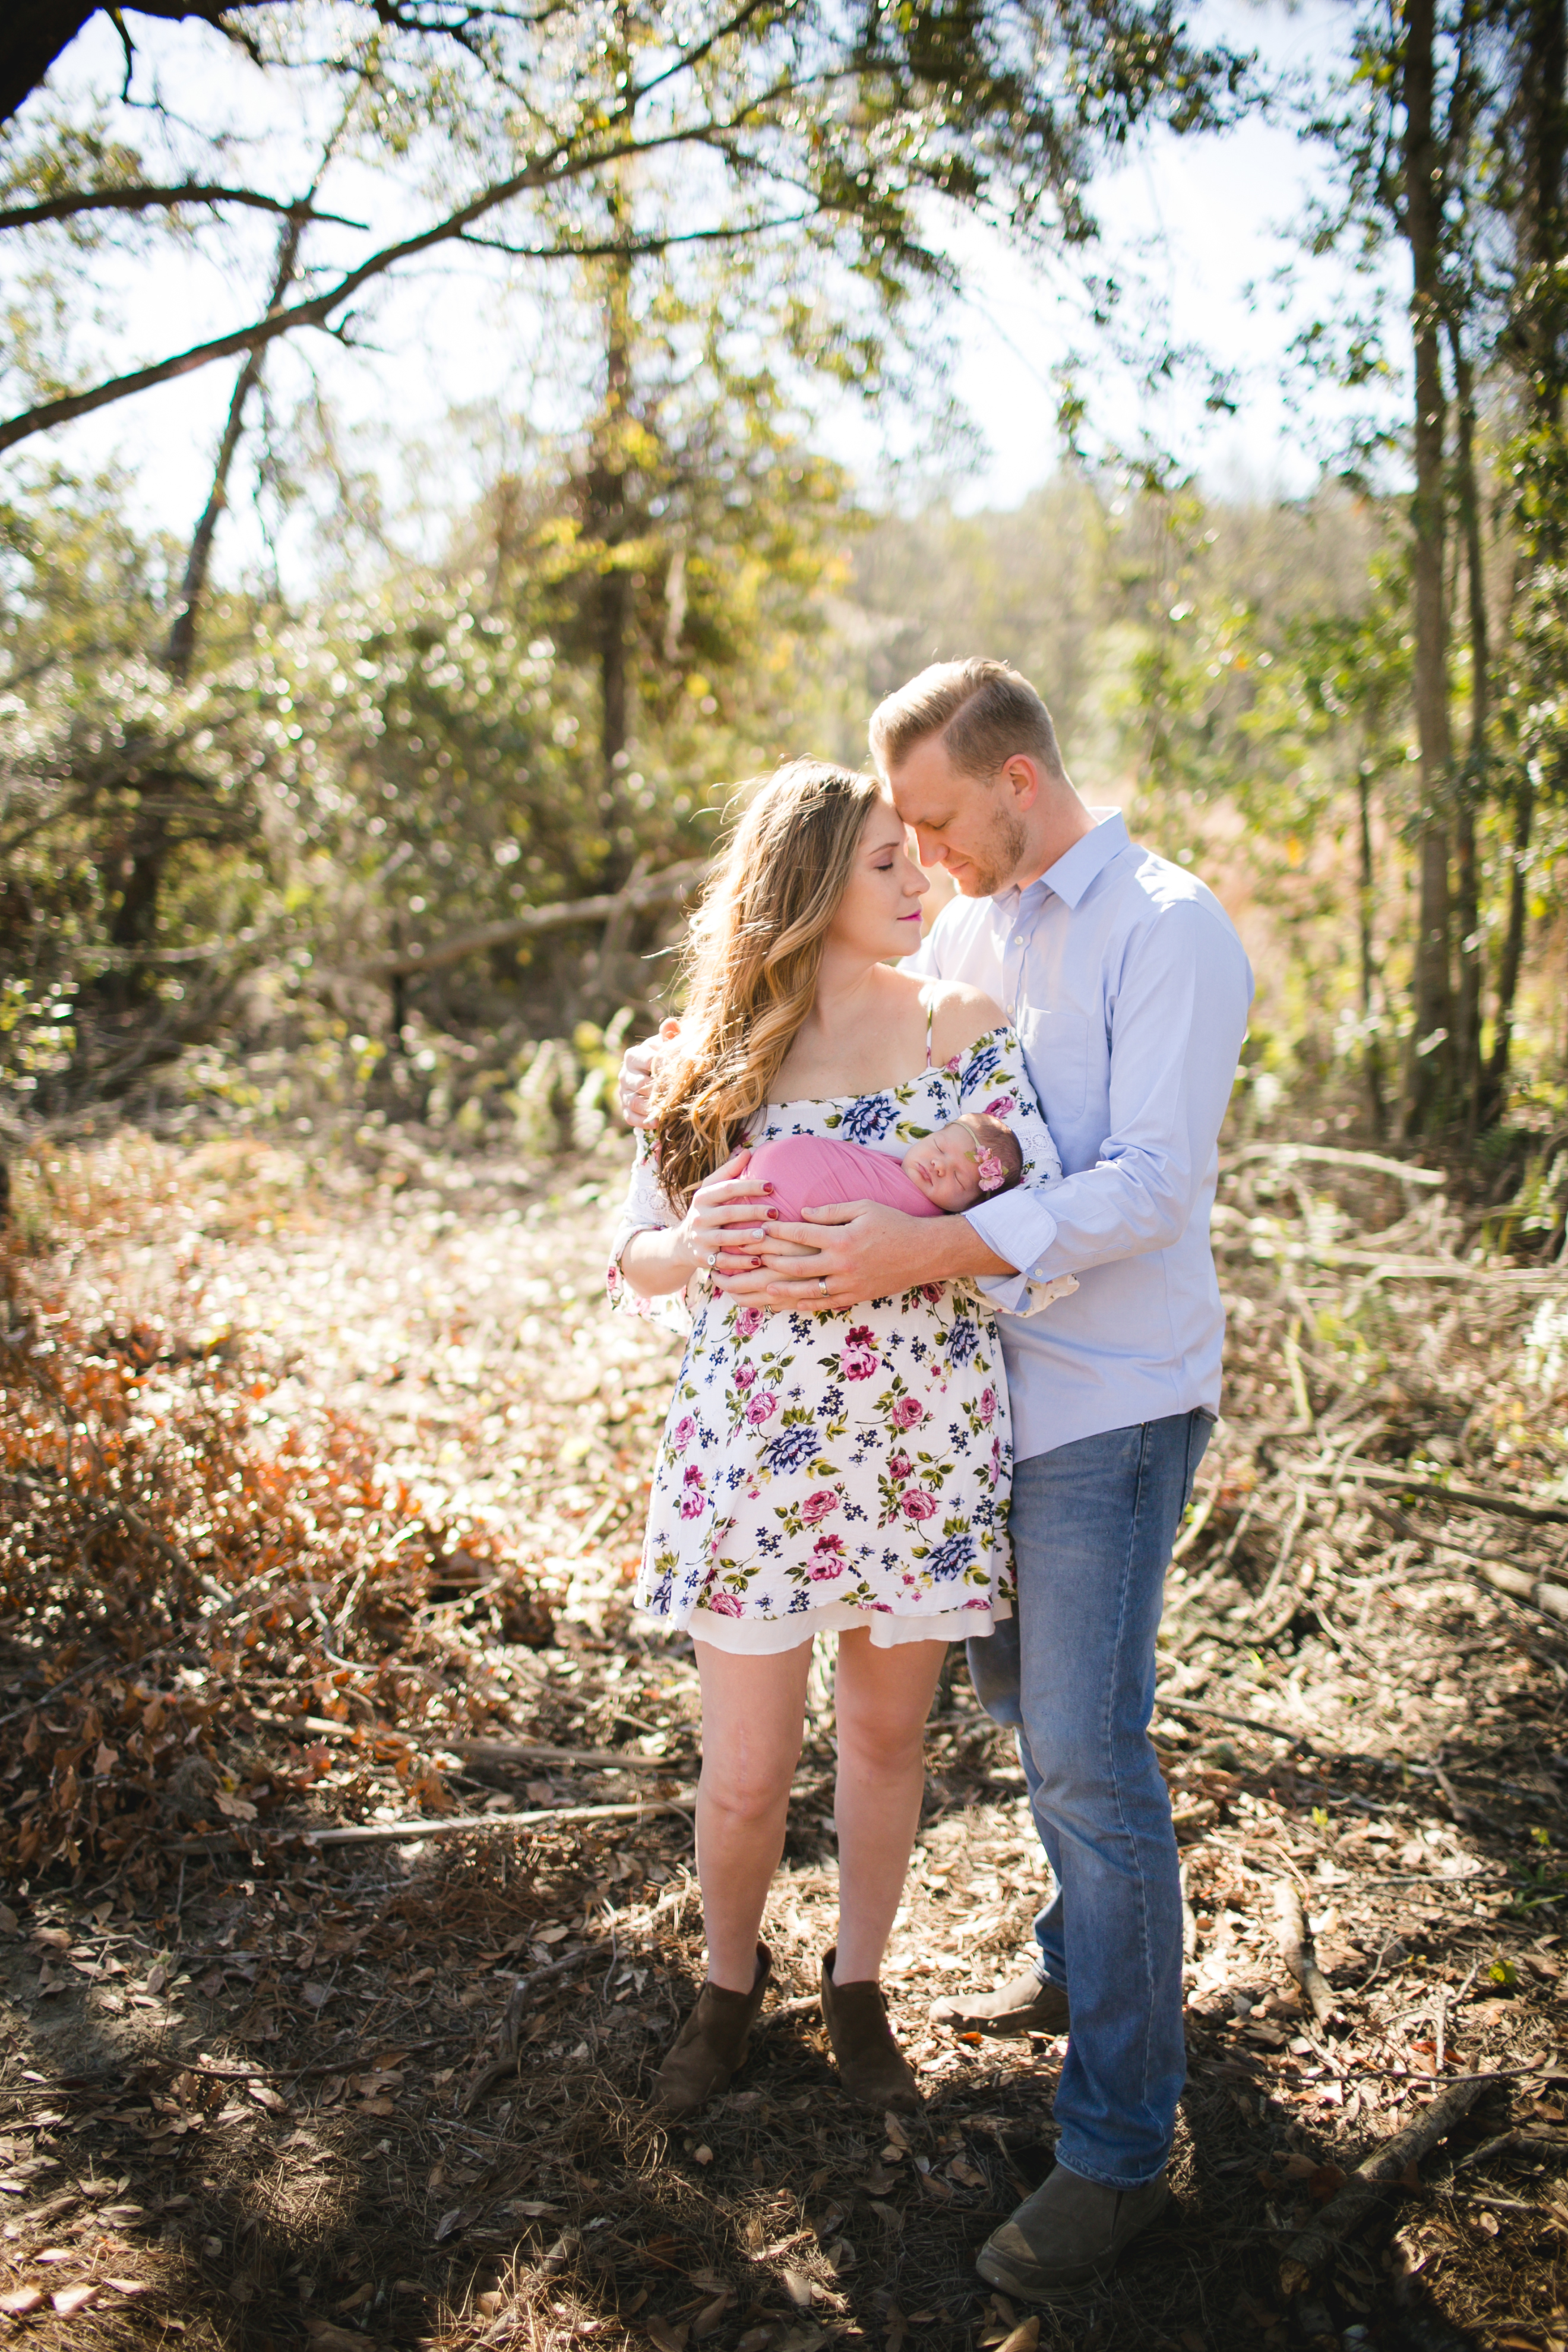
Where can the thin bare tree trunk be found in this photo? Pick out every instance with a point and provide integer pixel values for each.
(140, 862)
(181, 644)
(1429, 1067)
(1371, 1048)
(607, 496)
(1513, 947)
(1470, 793)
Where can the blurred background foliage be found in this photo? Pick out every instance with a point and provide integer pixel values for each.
(270, 844)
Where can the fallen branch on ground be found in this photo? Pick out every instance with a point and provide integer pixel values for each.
(1475, 1498)
(532, 1752)
(1295, 1950)
(1164, 1705)
(452, 1824)
(1311, 2247)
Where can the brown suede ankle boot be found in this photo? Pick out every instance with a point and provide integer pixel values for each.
(871, 2066)
(711, 2045)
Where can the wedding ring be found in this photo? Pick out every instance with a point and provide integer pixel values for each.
(712, 1260)
(822, 1284)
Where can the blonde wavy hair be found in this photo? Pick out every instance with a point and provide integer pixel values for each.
(753, 955)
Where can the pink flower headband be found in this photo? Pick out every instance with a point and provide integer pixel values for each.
(992, 1175)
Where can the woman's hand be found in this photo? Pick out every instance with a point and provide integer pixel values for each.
(727, 1220)
(637, 1073)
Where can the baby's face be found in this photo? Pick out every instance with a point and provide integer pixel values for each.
(946, 1169)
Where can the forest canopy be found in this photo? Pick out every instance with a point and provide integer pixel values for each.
(262, 786)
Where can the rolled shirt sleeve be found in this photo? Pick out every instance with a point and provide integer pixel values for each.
(1178, 1019)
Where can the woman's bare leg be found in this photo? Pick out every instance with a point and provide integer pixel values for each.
(883, 1697)
(753, 1716)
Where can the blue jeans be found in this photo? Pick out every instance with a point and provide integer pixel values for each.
(1092, 1526)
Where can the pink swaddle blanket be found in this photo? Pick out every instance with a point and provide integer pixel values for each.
(814, 1172)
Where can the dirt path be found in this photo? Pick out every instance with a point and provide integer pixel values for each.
(253, 2085)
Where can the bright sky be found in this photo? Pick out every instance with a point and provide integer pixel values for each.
(1201, 218)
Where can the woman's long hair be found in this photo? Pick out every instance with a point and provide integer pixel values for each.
(752, 956)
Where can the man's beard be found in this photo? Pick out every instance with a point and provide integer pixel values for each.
(994, 869)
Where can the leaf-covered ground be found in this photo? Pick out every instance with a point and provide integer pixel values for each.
(322, 1478)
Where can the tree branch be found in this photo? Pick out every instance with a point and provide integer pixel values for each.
(634, 248)
(318, 311)
(33, 32)
(149, 199)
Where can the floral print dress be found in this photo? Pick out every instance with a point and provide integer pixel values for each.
(841, 1468)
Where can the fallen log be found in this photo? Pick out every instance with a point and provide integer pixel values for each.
(1331, 1155)
(654, 890)
(1311, 2247)
(1295, 1950)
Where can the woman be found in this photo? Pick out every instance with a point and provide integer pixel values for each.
(837, 1470)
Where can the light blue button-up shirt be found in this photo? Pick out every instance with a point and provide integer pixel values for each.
(1129, 988)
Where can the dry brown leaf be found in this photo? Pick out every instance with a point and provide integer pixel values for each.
(74, 2299)
(664, 2337)
(327, 2337)
(1024, 2338)
(19, 2299)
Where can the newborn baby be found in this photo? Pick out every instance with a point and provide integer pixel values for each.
(943, 1174)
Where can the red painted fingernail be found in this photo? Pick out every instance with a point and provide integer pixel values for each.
(772, 1213)
(767, 1187)
(756, 1261)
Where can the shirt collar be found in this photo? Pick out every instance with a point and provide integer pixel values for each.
(1070, 877)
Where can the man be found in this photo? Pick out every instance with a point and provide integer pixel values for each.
(1128, 988)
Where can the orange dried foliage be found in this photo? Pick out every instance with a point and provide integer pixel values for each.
(177, 1570)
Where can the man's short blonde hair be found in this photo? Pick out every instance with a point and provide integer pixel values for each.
(984, 711)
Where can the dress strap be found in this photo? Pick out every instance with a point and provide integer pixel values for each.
(930, 1016)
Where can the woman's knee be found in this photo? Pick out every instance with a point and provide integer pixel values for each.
(748, 1795)
(880, 1746)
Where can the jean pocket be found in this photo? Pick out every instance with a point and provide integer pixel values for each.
(1201, 1427)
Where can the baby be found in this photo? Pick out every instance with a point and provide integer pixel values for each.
(943, 1174)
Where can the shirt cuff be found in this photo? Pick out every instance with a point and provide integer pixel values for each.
(1020, 1228)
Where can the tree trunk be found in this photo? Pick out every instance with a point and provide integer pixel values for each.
(1496, 1093)
(193, 589)
(1429, 1069)
(1471, 790)
(608, 524)
(134, 921)
(1542, 80)
(1372, 1045)
(33, 33)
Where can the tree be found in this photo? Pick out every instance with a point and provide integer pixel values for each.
(829, 127)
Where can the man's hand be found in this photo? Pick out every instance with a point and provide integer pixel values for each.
(637, 1070)
(861, 1250)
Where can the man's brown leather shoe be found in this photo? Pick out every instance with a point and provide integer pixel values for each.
(1071, 2232)
(1026, 2003)
(871, 2066)
(711, 2044)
